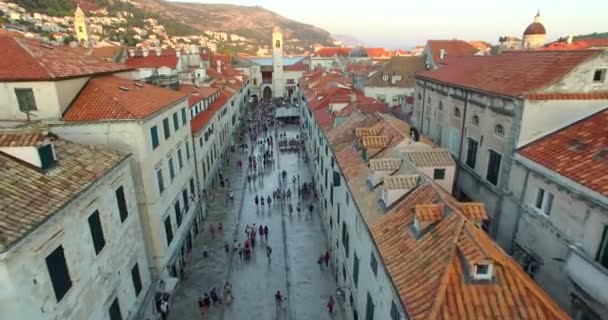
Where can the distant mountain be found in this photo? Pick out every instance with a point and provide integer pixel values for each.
(348, 41)
(253, 22)
(595, 35)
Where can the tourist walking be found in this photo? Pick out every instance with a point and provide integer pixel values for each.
(266, 232)
(268, 252)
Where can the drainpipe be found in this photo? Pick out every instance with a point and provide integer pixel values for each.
(462, 136)
(519, 210)
(423, 106)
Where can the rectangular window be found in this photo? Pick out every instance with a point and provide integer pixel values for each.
(192, 191)
(122, 203)
(345, 243)
(114, 311)
(544, 201)
(154, 137)
(369, 308)
(374, 264)
(135, 276)
(184, 118)
(438, 174)
(598, 76)
(175, 122)
(187, 143)
(602, 252)
(159, 180)
(493, 167)
(166, 128)
(472, 153)
(25, 99)
(356, 270)
(185, 196)
(178, 214)
(331, 196)
(96, 232)
(179, 158)
(58, 271)
(171, 169)
(168, 230)
(395, 311)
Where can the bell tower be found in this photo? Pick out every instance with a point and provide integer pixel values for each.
(278, 80)
(81, 27)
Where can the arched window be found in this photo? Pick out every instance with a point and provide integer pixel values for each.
(499, 130)
(457, 112)
(476, 120)
(277, 44)
(440, 105)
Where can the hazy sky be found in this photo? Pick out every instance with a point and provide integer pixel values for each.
(402, 23)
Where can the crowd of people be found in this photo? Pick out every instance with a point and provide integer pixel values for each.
(258, 143)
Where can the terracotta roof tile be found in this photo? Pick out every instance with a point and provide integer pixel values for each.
(453, 48)
(115, 98)
(375, 142)
(195, 93)
(21, 139)
(430, 158)
(364, 132)
(385, 164)
(166, 59)
(578, 152)
(429, 271)
(474, 210)
(404, 67)
(603, 95)
(509, 73)
(331, 52)
(202, 119)
(29, 59)
(407, 182)
(30, 196)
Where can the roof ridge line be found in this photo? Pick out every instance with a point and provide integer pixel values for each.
(445, 277)
(117, 101)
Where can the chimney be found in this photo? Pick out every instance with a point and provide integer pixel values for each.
(443, 54)
(131, 52)
(569, 39)
(178, 52)
(219, 66)
(144, 52)
(353, 97)
(158, 51)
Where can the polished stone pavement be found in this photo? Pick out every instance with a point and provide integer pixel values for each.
(296, 240)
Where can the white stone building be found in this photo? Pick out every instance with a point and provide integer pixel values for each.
(559, 186)
(155, 120)
(392, 226)
(395, 82)
(71, 243)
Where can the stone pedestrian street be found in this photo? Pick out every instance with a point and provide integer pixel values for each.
(297, 240)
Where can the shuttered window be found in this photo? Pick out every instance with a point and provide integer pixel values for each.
(58, 271)
(96, 232)
(370, 308)
(168, 230)
(25, 99)
(154, 137)
(178, 214)
(135, 276)
(122, 204)
(175, 121)
(184, 118)
(114, 310)
(356, 270)
(166, 128)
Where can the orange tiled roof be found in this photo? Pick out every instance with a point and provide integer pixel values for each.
(578, 152)
(431, 272)
(364, 132)
(474, 210)
(115, 98)
(21, 139)
(603, 95)
(202, 119)
(375, 142)
(195, 93)
(453, 48)
(509, 73)
(29, 59)
(331, 52)
(166, 59)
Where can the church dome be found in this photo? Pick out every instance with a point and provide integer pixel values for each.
(536, 27)
(358, 52)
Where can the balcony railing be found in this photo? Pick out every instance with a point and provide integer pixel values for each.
(588, 275)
